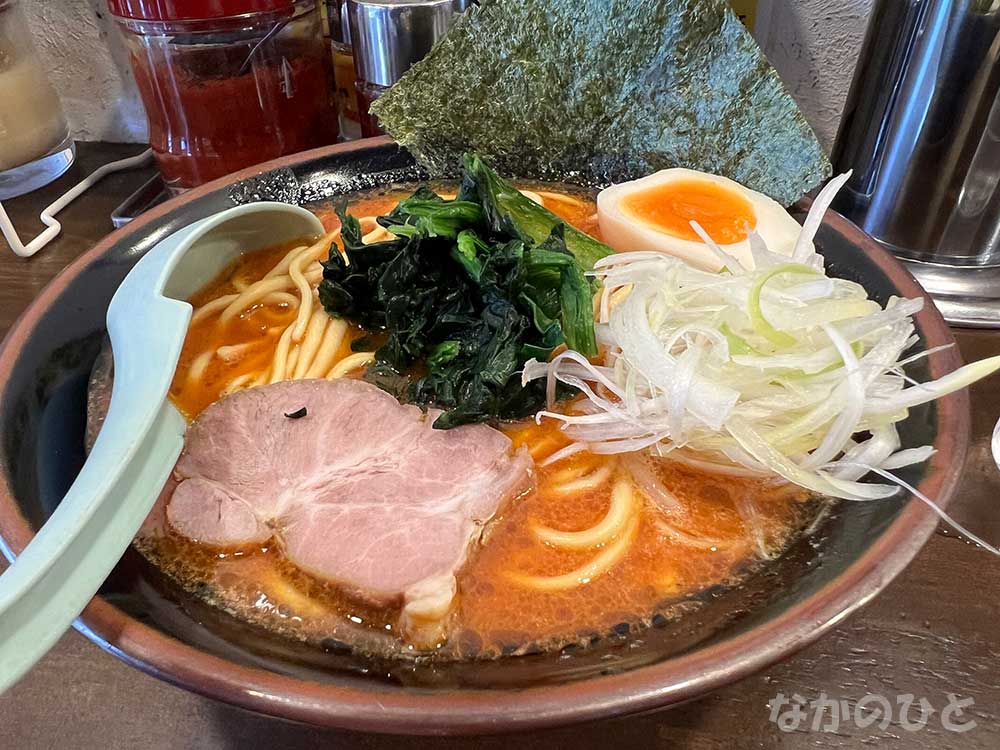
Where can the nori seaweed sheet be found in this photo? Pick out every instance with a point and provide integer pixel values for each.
(600, 91)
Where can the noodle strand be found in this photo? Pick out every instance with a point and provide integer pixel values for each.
(293, 358)
(352, 362)
(306, 293)
(559, 198)
(590, 481)
(234, 352)
(311, 343)
(254, 293)
(236, 383)
(219, 303)
(199, 365)
(282, 268)
(332, 337)
(620, 512)
(280, 360)
(598, 566)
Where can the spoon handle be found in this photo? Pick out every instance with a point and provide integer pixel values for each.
(69, 558)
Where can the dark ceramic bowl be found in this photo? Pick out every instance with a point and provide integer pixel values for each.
(140, 618)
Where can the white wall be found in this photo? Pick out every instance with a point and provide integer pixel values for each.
(86, 62)
(812, 43)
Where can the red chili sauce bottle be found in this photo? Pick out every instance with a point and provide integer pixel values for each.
(228, 83)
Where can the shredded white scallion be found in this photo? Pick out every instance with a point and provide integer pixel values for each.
(779, 369)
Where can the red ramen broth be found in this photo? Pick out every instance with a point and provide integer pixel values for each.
(514, 589)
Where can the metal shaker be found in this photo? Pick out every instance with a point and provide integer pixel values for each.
(389, 36)
(921, 130)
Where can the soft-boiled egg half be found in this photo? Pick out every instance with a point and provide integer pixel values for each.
(655, 213)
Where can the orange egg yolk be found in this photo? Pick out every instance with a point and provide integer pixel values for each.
(670, 207)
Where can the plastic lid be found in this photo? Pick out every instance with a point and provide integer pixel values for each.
(193, 10)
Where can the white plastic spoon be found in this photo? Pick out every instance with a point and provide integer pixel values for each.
(64, 565)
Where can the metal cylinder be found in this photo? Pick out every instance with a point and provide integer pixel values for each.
(921, 130)
(389, 36)
(336, 18)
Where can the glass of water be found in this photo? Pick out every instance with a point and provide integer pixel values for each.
(35, 144)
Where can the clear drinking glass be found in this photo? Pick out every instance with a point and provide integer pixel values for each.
(35, 145)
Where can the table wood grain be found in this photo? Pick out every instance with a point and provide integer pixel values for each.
(935, 631)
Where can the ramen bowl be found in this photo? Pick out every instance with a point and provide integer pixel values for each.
(139, 616)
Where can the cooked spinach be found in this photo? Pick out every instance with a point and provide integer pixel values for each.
(467, 291)
(509, 211)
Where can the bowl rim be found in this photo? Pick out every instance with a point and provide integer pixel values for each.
(669, 682)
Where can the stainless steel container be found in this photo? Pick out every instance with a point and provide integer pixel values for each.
(921, 130)
(389, 36)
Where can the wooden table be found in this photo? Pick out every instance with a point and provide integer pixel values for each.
(934, 631)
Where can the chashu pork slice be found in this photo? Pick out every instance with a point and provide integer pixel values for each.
(360, 491)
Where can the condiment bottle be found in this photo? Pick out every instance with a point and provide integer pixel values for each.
(343, 70)
(389, 36)
(228, 83)
(35, 144)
